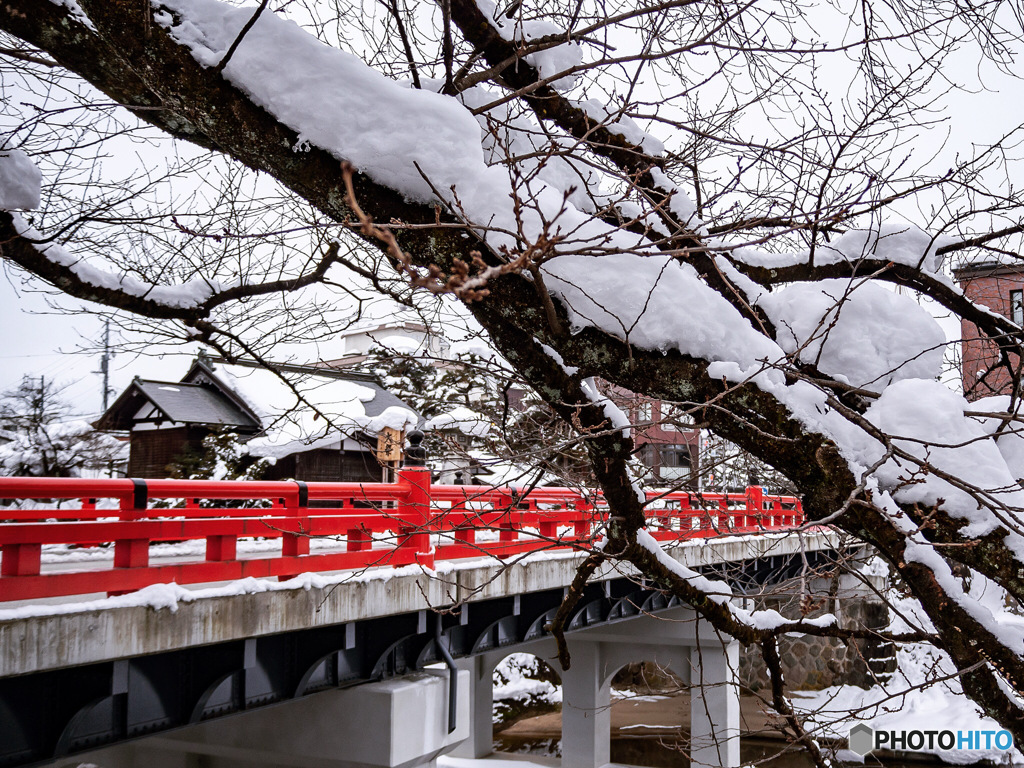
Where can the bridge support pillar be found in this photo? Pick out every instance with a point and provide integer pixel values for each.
(715, 706)
(586, 708)
(480, 741)
(399, 723)
(676, 640)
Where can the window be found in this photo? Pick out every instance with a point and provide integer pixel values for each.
(643, 413)
(674, 418)
(675, 463)
(1017, 307)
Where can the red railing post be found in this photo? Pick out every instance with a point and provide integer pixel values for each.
(21, 559)
(414, 512)
(755, 503)
(466, 531)
(221, 548)
(582, 526)
(295, 543)
(723, 512)
(129, 552)
(507, 504)
(358, 540)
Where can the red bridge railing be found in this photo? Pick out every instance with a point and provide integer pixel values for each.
(353, 526)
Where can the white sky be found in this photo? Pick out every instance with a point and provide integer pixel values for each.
(64, 347)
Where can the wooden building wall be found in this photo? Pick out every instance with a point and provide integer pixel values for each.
(153, 450)
(323, 465)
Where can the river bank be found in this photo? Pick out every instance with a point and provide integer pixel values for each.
(652, 730)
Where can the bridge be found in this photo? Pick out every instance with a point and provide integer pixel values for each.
(392, 605)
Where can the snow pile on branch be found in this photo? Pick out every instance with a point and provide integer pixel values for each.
(968, 472)
(332, 99)
(20, 181)
(184, 296)
(899, 243)
(845, 329)
(548, 62)
(720, 592)
(1008, 432)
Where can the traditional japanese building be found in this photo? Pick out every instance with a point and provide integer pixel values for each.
(315, 424)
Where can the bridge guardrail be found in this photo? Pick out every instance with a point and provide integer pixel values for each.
(411, 521)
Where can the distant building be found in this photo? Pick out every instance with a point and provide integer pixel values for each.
(316, 424)
(1000, 288)
(407, 337)
(666, 442)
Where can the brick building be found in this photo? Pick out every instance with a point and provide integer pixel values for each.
(665, 438)
(1000, 288)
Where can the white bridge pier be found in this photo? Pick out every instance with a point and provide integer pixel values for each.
(702, 658)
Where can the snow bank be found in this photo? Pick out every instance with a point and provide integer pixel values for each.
(914, 698)
(518, 684)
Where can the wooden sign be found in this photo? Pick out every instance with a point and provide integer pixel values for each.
(389, 445)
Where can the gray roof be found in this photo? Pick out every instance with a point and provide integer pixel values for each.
(194, 404)
(382, 400)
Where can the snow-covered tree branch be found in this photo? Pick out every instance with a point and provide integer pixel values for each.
(720, 205)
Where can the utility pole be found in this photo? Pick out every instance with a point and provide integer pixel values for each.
(105, 365)
(41, 401)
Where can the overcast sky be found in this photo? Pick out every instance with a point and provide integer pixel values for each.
(62, 346)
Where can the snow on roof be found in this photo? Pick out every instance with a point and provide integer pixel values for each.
(195, 404)
(461, 418)
(301, 411)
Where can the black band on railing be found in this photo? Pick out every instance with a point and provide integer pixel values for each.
(140, 494)
(303, 493)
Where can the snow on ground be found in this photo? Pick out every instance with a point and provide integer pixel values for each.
(938, 707)
(517, 686)
(923, 694)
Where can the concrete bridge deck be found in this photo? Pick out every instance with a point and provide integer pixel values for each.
(47, 637)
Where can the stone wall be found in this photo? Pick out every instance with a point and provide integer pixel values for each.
(812, 663)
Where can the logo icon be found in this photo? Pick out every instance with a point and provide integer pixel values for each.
(861, 739)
